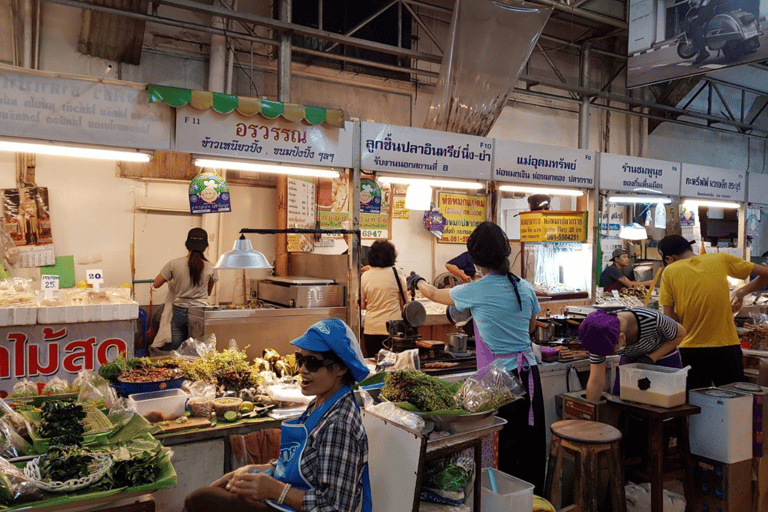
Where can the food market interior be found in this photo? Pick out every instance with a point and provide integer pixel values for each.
(490, 248)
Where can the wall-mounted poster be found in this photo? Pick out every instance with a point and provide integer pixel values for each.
(462, 214)
(209, 193)
(670, 39)
(301, 213)
(27, 218)
(375, 206)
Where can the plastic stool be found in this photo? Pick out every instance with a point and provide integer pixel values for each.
(586, 440)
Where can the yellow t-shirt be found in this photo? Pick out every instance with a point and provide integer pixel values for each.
(698, 289)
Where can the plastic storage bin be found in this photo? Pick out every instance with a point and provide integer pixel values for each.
(514, 494)
(155, 406)
(653, 385)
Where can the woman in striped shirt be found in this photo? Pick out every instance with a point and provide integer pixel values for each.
(638, 335)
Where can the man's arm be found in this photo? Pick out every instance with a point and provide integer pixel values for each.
(737, 297)
(453, 269)
(629, 283)
(670, 312)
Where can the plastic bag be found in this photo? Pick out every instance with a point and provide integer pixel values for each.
(445, 480)
(192, 348)
(400, 416)
(23, 389)
(55, 386)
(121, 411)
(390, 361)
(16, 284)
(15, 487)
(16, 420)
(289, 393)
(96, 389)
(201, 399)
(12, 445)
(639, 499)
(495, 388)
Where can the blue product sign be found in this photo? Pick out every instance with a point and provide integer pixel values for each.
(370, 196)
(208, 193)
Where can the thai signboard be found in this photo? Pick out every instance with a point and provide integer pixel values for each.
(553, 226)
(622, 173)
(206, 132)
(712, 183)
(540, 164)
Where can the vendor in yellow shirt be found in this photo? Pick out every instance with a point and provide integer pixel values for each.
(694, 292)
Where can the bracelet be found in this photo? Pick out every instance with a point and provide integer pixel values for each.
(283, 494)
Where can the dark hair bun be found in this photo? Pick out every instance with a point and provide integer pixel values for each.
(488, 246)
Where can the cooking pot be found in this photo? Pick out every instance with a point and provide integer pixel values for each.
(457, 342)
(545, 331)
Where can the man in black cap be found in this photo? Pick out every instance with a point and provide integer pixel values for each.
(694, 292)
(613, 277)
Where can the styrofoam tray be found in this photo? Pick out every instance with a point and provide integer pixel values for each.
(18, 316)
(89, 313)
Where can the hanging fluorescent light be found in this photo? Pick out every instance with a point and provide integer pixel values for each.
(73, 151)
(633, 231)
(714, 204)
(271, 168)
(418, 197)
(639, 199)
(542, 190)
(465, 185)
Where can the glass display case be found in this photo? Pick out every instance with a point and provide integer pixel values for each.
(559, 269)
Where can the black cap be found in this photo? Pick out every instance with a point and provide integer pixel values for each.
(674, 245)
(197, 239)
(488, 245)
(539, 202)
(618, 252)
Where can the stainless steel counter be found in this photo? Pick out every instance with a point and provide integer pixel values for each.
(258, 328)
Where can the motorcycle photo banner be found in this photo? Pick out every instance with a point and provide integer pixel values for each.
(670, 39)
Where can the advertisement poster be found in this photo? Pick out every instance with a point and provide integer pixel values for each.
(670, 40)
(27, 218)
(208, 193)
(400, 211)
(375, 206)
(541, 226)
(462, 214)
(301, 212)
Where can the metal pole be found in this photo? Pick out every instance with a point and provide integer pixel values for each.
(284, 54)
(584, 106)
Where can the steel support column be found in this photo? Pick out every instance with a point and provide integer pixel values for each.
(584, 105)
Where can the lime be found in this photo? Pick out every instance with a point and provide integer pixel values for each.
(230, 416)
(246, 407)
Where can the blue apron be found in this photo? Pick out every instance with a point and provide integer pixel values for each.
(293, 440)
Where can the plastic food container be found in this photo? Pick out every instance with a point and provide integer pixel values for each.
(222, 405)
(155, 406)
(653, 385)
(513, 494)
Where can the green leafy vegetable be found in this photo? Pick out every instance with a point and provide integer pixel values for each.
(63, 463)
(61, 422)
(423, 391)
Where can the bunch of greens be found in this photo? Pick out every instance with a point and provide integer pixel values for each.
(63, 463)
(135, 463)
(424, 392)
(229, 368)
(61, 423)
(112, 370)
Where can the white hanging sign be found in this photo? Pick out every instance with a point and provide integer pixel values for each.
(406, 150)
(35, 105)
(712, 183)
(634, 174)
(758, 188)
(541, 164)
(206, 132)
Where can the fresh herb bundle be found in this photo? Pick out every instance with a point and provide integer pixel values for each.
(63, 463)
(61, 422)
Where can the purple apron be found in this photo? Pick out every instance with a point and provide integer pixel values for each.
(671, 360)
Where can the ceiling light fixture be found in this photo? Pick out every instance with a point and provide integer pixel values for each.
(73, 151)
(633, 231)
(438, 183)
(270, 168)
(711, 203)
(418, 197)
(542, 190)
(639, 199)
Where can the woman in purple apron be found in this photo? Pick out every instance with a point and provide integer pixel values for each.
(323, 463)
(504, 309)
(638, 335)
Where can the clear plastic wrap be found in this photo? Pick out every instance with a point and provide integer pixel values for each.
(121, 411)
(23, 389)
(15, 419)
(90, 296)
(287, 393)
(15, 487)
(192, 348)
(12, 445)
(201, 399)
(96, 389)
(390, 361)
(495, 388)
(392, 412)
(56, 386)
(16, 284)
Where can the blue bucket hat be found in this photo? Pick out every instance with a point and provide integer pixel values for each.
(334, 335)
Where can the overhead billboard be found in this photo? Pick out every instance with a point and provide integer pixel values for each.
(671, 39)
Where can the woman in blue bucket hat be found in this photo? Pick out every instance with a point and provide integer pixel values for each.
(323, 463)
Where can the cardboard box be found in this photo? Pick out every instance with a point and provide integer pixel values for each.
(720, 486)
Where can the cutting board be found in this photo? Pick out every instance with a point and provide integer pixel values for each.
(191, 423)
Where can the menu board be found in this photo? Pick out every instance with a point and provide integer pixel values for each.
(462, 214)
(301, 212)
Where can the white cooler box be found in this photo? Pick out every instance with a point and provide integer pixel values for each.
(723, 429)
(653, 385)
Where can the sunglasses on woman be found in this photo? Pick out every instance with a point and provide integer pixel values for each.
(311, 363)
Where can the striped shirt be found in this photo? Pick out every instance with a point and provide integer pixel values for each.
(654, 329)
(334, 459)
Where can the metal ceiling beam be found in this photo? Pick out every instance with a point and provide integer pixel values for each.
(581, 13)
(364, 23)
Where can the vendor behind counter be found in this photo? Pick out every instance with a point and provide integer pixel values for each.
(613, 277)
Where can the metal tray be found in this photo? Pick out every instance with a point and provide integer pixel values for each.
(459, 424)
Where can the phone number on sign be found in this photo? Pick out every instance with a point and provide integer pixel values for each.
(373, 233)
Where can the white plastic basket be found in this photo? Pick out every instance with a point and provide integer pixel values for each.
(32, 471)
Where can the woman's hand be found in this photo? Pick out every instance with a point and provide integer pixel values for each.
(254, 487)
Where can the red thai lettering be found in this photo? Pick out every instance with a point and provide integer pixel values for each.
(85, 353)
(5, 363)
(18, 339)
(103, 348)
(50, 335)
(53, 360)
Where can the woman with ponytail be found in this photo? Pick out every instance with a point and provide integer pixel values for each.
(193, 279)
(504, 309)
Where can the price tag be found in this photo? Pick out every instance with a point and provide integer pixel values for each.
(94, 277)
(49, 283)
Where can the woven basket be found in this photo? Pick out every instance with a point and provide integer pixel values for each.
(32, 471)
